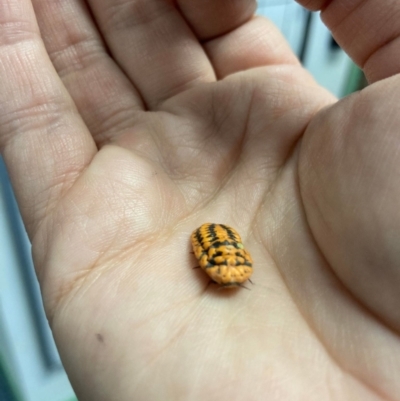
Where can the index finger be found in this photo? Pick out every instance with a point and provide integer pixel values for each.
(368, 30)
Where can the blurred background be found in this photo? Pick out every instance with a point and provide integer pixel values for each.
(30, 369)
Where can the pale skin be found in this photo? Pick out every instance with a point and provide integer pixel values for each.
(127, 127)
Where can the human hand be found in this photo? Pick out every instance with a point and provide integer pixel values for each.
(132, 124)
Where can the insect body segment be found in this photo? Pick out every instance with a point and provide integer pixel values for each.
(221, 254)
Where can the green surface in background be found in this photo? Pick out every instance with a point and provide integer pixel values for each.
(355, 80)
(8, 390)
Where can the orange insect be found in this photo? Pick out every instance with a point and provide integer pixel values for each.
(221, 254)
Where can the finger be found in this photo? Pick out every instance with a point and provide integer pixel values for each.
(254, 44)
(44, 141)
(212, 18)
(154, 45)
(368, 30)
(102, 93)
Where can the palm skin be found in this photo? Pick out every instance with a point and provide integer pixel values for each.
(310, 184)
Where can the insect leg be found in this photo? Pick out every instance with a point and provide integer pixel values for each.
(242, 286)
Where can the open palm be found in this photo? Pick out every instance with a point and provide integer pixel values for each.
(153, 117)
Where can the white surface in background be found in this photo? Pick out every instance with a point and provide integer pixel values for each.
(25, 360)
(288, 16)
